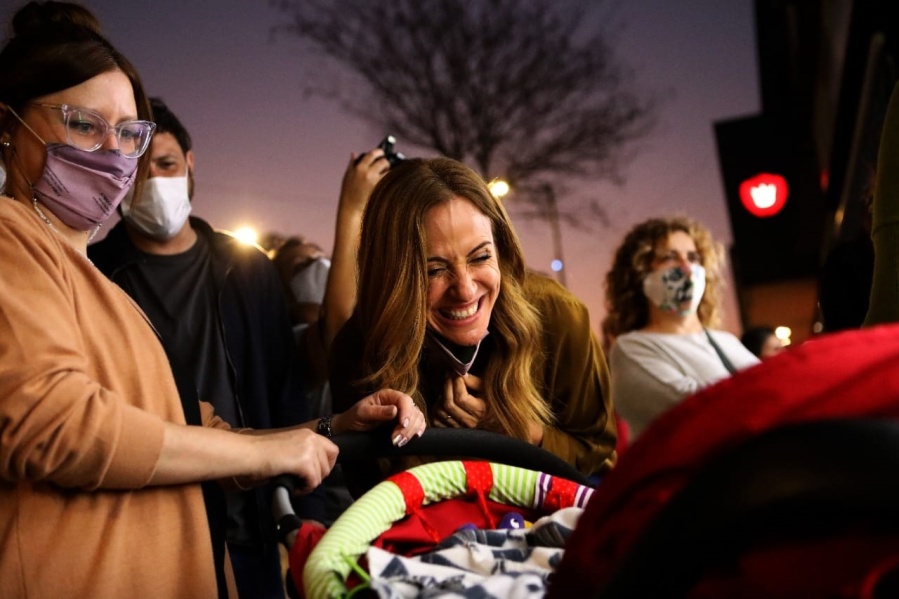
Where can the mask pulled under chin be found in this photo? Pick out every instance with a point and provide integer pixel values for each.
(83, 188)
(455, 358)
(163, 208)
(676, 290)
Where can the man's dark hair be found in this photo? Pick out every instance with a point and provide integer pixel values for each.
(167, 122)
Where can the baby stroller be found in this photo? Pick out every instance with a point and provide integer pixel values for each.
(460, 526)
(779, 482)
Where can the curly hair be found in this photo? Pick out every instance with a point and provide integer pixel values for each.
(393, 288)
(627, 308)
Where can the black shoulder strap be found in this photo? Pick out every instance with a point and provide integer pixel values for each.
(724, 360)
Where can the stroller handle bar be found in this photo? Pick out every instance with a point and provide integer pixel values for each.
(448, 443)
(451, 443)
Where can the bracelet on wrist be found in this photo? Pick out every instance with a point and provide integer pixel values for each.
(236, 481)
(324, 426)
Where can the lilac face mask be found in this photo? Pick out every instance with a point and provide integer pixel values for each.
(83, 188)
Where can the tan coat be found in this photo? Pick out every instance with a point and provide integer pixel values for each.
(84, 390)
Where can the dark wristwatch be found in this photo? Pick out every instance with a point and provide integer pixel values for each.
(324, 426)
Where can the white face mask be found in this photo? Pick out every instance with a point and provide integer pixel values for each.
(675, 290)
(308, 284)
(163, 210)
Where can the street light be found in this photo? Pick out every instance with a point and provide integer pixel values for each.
(785, 334)
(498, 188)
(247, 235)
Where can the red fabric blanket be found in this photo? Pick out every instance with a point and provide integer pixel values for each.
(844, 375)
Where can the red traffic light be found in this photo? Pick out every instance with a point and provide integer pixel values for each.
(764, 194)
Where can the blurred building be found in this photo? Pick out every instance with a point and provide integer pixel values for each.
(797, 176)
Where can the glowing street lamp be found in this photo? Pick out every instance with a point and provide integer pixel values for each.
(785, 334)
(499, 188)
(247, 235)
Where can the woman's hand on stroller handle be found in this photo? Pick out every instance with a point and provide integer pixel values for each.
(379, 408)
(298, 452)
(309, 457)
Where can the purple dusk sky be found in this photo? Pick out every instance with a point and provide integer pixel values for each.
(268, 157)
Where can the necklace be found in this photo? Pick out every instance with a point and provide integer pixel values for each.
(53, 228)
(44, 216)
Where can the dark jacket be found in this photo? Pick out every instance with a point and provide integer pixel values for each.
(252, 312)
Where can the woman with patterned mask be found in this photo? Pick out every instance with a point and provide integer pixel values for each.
(663, 307)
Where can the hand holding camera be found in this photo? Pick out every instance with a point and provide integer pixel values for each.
(393, 157)
(390, 154)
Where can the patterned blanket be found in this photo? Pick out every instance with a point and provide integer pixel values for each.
(506, 563)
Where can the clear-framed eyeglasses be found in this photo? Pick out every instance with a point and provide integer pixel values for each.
(87, 130)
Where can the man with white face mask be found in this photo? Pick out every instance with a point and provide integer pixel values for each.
(663, 302)
(163, 211)
(220, 311)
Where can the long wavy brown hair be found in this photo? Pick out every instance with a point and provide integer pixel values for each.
(627, 308)
(392, 302)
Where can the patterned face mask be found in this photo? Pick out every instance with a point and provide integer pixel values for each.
(676, 290)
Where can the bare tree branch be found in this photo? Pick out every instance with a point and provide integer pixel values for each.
(517, 88)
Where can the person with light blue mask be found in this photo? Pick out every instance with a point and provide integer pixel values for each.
(663, 305)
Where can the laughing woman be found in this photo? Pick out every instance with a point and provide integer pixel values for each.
(448, 314)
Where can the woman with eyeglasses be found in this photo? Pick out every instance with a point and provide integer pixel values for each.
(663, 302)
(100, 471)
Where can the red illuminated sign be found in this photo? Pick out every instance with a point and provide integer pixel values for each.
(764, 194)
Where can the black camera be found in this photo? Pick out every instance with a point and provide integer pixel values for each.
(387, 144)
(393, 157)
